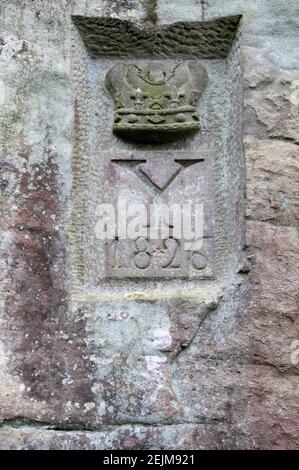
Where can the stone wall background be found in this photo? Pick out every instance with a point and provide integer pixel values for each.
(239, 371)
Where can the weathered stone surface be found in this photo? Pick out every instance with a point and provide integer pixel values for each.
(180, 437)
(272, 182)
(111, 37)
(171, 364)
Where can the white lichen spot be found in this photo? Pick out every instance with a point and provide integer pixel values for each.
(155, 369)
(162, 338)
(88, 406)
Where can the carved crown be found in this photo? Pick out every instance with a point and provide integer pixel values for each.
(157, 101)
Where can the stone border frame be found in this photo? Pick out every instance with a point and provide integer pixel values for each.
(96, 38)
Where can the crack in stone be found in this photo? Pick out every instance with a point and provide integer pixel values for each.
(150, 7)
(22, 422)
(209, 310)
(203, 12)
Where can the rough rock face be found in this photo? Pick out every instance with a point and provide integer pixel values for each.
(187, 366)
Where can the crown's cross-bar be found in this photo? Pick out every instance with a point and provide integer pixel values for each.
(159, 170)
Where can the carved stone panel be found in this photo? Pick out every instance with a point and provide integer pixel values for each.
(111, 37)
(157, 124)
(168, 197)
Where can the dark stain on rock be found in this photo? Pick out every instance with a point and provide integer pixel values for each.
(48, 350)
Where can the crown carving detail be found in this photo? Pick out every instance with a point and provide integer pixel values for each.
(156, 102)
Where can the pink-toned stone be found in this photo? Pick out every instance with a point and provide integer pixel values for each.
(272, 183)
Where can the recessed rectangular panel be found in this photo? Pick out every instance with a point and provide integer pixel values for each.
(163, 210)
